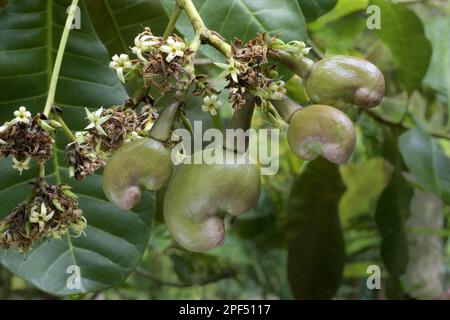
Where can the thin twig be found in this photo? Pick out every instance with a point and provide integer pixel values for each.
(173, 21)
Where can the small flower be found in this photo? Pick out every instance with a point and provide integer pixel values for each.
(144, 43)
(4, 127)
(173, 49)
(21, 165)
(22, 115)
(277, 90)
(40, 217)
(120, 64)
(230, 69)
(211, 104)
(96, 120)
(79, 137)
(133, 135)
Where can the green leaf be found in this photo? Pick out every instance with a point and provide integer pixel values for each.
(245, 18)
(427, 162)
(312, 9)
(316, 250)
(115, 240)
(402, 31)
(113, 246)
(342, 9)
(29, 46)
(438, 76)
(391, 213)
(117, 22)
(365, 182)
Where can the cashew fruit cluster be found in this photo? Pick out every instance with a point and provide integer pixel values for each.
(199, 196)
(322, 129)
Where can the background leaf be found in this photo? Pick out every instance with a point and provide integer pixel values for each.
(428, 163)
(117, 22)
(116, 239)
(312, 9)
(365, 182)
(402, 31)
(245, 18)
(316, 251)
(438, 76)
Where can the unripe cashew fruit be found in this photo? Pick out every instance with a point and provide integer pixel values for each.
(199, 196)
(338, 80)
(321, 130)
(140, 163)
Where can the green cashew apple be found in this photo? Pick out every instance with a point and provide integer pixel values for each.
(338, 80)
(321, 130)
(199, 195)
(144, 162)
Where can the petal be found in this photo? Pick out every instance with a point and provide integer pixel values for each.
(170, 57)
(119, 72)
(213, 112)
(90, 126)
(140, 56)
(234, 76)
(165, 49)
(100, 129)
(49, 216)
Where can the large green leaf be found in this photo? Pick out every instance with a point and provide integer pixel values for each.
(245, 18)
(312, 9)
(116, 239)
(365, 182)
(438, 75)
(316, 250)
(402, 31)
(430, 165)
(117, 22)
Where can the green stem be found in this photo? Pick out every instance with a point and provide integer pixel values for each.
(300, 66)
(286, 108)
(59, 56)
(162, 128)
(242, 119)
(172, 22)
(64, 127)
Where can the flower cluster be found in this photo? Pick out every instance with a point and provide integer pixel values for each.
(248, 70)
(162, 62)
(50, 213)
(26, 138)
(107, 131)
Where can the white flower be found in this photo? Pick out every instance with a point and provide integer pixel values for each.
(173, 48)
(230, 69)
(211, 104)
(277, 90)
(21, 115)
(133, 135)
(40, 217)
(120, 64)
(4, 127)
(96, 120)
(21, 165)
(144, 43)
(79, 137)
